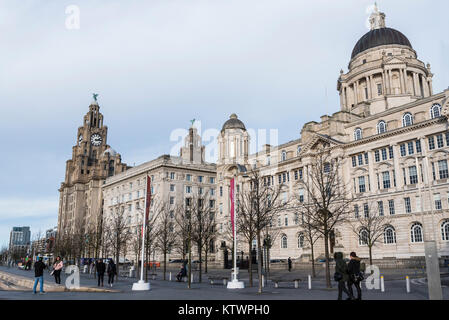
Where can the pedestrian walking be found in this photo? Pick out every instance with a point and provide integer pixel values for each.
(101, 268)
(341, 275)
(112, 272)
(289, 261)
(57, 268)
(355, 275)
(39, 267)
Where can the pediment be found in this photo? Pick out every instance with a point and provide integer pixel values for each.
(319, 142)
(394, 60)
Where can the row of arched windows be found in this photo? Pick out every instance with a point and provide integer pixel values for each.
(407, 120)
(416, 234)
(389, 235)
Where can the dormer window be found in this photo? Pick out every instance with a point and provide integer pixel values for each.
(381, 127)
(435, 111)
(407, 120)
(299, 150)
(357, 134)
(284, 156)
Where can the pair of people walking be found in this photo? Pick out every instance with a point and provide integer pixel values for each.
(350, 274)
(101, 269)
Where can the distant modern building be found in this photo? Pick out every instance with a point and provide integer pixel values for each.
(19, 238)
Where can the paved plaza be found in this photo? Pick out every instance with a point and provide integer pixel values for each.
(395, 288)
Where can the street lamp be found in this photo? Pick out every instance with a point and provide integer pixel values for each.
(235, 283)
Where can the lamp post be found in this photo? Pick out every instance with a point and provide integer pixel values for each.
(235, 283)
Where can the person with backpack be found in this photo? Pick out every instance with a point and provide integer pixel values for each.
(39, 267)
(355, 275)
(341, 276)
(289, 262)
(101, 268)
(112, 271)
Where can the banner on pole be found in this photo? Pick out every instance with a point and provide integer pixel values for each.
(232, 206)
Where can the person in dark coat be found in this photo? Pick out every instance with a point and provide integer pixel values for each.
(341, 270)
(112, 271)
(39, 267)
(101, 268)
(289, 261)
(353, 272)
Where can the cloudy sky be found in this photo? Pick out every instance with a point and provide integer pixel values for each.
(159, 63)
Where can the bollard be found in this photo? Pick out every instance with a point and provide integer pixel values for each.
(296, 284)
(407, 284)
(191, 279)
(263, 281)
(382, 284)
(310, 282)
(169, 277)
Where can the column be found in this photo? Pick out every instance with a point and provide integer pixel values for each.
(368, 87)
(390, 82)
(401, 81)
(416, 83)
(404, 74)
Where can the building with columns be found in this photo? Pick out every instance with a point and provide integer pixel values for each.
(173, 180)
(391, 137)
(93, 160)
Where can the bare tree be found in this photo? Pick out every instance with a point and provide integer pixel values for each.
(326, 198)
(368, 227)
(166, 237)
(136, 246)
(266, 203)
(151, 233)
(184, 223)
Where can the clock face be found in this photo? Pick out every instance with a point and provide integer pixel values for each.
(95, 139)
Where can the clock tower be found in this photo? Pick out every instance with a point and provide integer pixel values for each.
(93, 160)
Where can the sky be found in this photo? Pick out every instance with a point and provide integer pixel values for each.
(158, 64)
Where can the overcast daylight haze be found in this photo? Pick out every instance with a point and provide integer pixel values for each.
(202, 59)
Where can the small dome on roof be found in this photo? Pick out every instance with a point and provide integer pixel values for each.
(233, 123)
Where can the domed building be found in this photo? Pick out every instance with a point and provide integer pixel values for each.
(390, 139)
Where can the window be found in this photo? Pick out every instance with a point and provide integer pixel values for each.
(407, 120)
(356, 211)
(200, 190)
(363, 237)
(284, 242)
(357, 134)
(301, 239)
(200, 179)
(431, 143)
(189, 177)
(435, 111)
(296, 174)
(411, 149)
(362, 187)
(300, 174)
(380, 207)
(212, 192)
(437, 200)
(211, 180)
(440, 141)
(391, 207)
(408, 206)
(413, 173)
(220, 208)
(377, 155)
(379, 89)
(188, 189)
(445, 230)
(443, 169)
(172, 187)
(386, 180)
(381, 127)
(221, 191)
(389, 235)
(390, 150)
(301, 195)
(447, 139)
(366, 158)
(403, 152)
(384, 154)
(284, 155)
(298, 150)
(286, 221)
(418, 146)
(416, 233)
(366, 210)
(172, 200)
(360, 158)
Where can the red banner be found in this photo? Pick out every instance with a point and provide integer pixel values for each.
(148, 199)
(232, 205)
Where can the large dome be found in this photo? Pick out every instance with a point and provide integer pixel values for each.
(380, 37)
(233, 123)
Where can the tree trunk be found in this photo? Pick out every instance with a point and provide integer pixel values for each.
(371, 258)
(250, 264)
(189, 280)
(165, 262)
(205, 258)
(259, 264)
(313, 261)
(326, 253)
(200, 254)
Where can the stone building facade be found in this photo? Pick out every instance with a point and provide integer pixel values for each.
(173, 180)
(391, 137)
(93, 160)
